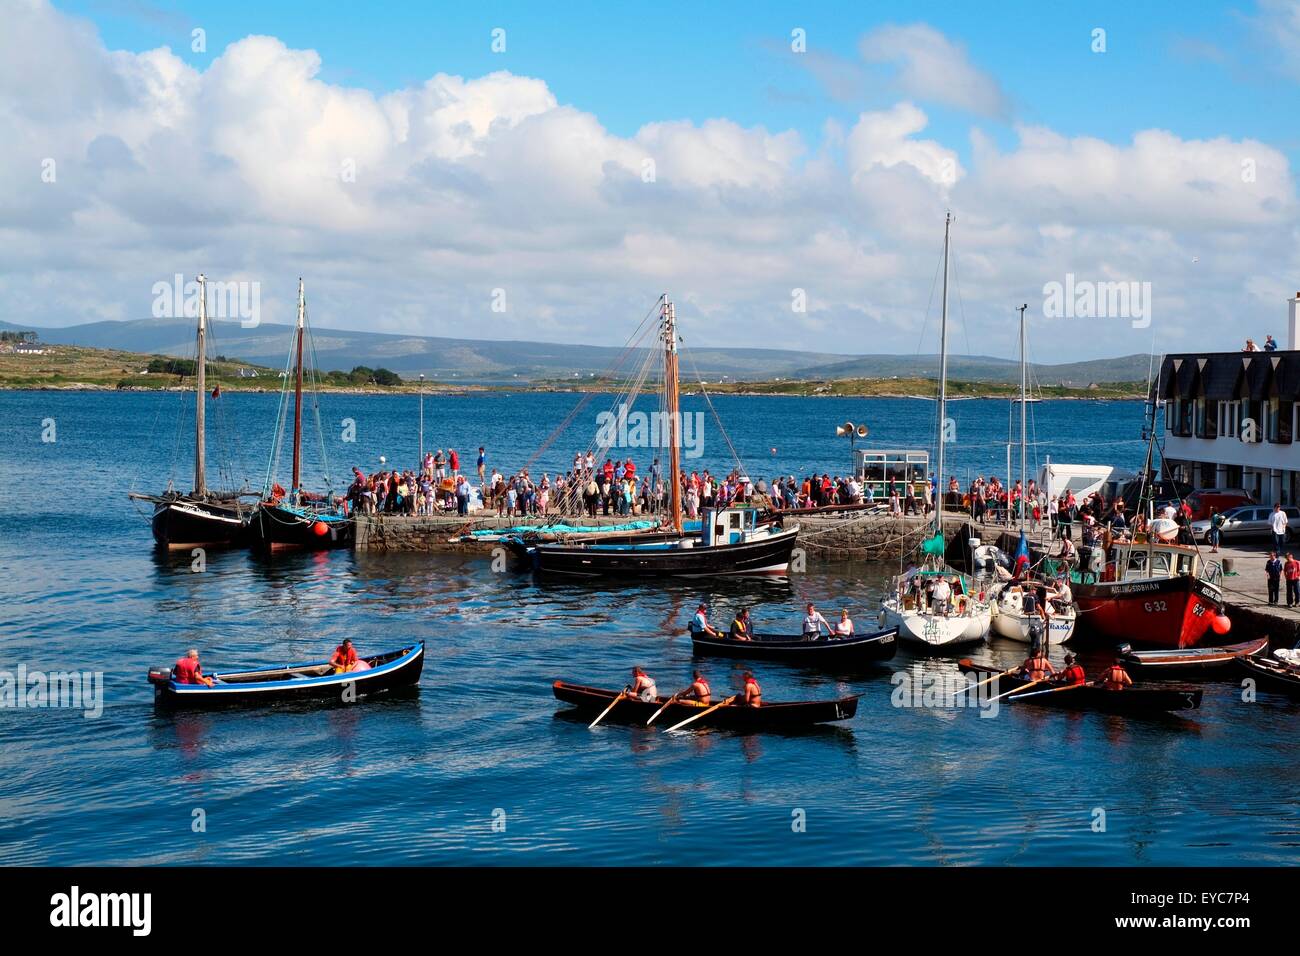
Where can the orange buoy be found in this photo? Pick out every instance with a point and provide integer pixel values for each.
(1221, 624)
(320, 528)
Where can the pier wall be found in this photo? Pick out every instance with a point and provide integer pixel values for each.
(380, 533)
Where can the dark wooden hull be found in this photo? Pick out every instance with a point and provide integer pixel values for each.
(1193, 663)
(793, 649)
(768, 555)
(1136, 700)
(183, 523)
(391, 671)
(784, 716)
(1271, 675)
(280, 528)
(1164, 613)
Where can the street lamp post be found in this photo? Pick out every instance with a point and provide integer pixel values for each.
(420, 463)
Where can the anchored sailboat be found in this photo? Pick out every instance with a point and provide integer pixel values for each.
(913, 605)
(731, 540)
(202, 518)
(299, 520)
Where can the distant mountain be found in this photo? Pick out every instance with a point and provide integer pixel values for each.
(476, 361)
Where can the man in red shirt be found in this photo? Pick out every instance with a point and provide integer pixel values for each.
(345, 657)
(1291, 571)
(188, 670)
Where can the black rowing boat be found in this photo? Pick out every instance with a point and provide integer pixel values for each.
(292, 682)
(1272, 674)
(1190, 663)
(776, 716)
(1136, 700)
(792, 648)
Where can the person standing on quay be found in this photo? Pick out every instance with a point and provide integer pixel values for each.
(1291, 570)
(1273, 569)
(1277, 521)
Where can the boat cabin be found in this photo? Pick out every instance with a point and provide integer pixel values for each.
(876, 467)
(1145, 559)
(727, 525)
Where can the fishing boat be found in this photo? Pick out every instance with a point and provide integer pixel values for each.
(293, 682)
(1271, 674)
(794, 649)
(1136, 700)
(202, 517)
(733, 540)
(791, 715)
(298, 520)
(1192, 662)
(966, 617)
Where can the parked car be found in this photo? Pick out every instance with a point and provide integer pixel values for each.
(1249, 521)
(1220, 499)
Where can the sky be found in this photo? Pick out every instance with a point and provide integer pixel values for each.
(545, 171)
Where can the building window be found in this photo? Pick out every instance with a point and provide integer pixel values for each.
(1183, 419)
(1280, 419)
(1207, 418)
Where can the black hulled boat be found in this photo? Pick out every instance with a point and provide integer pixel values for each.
(794, 649)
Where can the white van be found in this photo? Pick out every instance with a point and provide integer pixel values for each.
(1083, 480)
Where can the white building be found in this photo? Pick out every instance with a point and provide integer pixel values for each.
(1230, 418)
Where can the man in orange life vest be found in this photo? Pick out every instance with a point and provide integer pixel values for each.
(345, 657)
(1116, 678)
(188, 670)
(699, 690)
(753, 693)
(1074, 672)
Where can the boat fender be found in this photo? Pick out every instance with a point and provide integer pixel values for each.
(1221, 624)
(881, 617)
(320, 529)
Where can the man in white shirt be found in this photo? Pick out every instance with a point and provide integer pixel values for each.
(941, 594)
(813, 622)
(1278, 522)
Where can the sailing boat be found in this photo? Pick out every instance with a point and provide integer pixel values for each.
(1007, 598)
(201, 518)
(731, 541)
(964, 617)
(298, 520)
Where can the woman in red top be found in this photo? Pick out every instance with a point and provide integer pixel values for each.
(753, 693)
(345, 657)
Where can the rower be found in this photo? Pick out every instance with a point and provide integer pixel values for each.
(741, 628)
(188, 670)
(700, 622)
(844, 627)
(699, 690)
(813, 623)
(1116, 678)
(345, 657)
(1073, 673)
(753, 693)
(1037, 666)
(643, 686)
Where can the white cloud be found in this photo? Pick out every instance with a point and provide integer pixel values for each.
(929, 66)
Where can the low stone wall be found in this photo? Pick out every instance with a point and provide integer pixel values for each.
(379, 533)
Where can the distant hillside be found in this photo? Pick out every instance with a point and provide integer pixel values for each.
(478, 361)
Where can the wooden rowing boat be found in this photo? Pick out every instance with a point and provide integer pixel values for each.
(1191, 662)
(775, 716)
(292, 682)
(1136, 700)
(1272, 674)
(792, 648)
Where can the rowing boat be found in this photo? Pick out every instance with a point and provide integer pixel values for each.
(1190, 662)
(1136, 700)
(792, 648)
(776, 716)
(1272, 674)
(291, 682)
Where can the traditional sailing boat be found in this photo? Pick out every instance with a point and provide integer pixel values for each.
(202, 518)
(1007, 598)
(964, 617)
(298, 520)
(732, 541)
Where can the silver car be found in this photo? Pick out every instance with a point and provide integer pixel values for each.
(1248, 521)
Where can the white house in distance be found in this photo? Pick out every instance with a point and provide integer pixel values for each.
(1230, 418)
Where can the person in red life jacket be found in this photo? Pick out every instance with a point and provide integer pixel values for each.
(453, 461)
(1073, 673)
(1116, 678)
(753, 693)
(699, 690)
(643, 686)
(629, 469)
(188, 670)
(345, 657)
(1037, 666)
(608, 469)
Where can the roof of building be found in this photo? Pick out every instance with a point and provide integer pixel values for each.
(1226, 376)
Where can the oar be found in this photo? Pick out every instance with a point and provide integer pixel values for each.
(706, 711)
(664, 707)
(987, 680)
(1055, 690)
(1032, 683)
(621, 695)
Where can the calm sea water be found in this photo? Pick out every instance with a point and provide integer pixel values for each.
(422, 779)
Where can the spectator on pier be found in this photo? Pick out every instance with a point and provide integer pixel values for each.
(482, 463)
(1270, 344)
(1273, 570)
(1278, 522)
(1291, 571)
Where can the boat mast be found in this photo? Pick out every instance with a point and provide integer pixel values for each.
(1024, 395)
(668, 329)
(200, 393)
(943, 381)
(297, 399)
